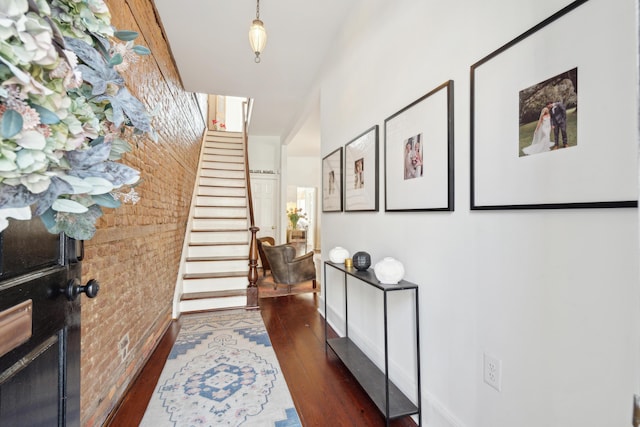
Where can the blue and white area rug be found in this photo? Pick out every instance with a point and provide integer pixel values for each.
(222, 371)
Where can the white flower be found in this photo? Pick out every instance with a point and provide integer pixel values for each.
(35, 182)
(13, 7)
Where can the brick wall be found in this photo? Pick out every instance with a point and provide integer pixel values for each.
(136, 252)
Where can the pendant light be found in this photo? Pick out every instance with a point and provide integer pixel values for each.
(257, 34)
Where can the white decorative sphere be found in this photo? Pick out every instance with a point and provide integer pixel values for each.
(389, 271)
(338, 255)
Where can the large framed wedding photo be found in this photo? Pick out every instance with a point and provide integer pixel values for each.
(553, 122)
(332, 182)
(418, 152)
(361, 172)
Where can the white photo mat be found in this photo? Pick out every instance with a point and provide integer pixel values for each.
(428, 120)
(332, 182)
(361, 172)
(601, 170)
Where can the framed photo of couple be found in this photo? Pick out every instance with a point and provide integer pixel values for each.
(552, 118)
(332, 182)
(418, 151)
(361, 172)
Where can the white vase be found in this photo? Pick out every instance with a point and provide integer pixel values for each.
(389, 271)
(338, 254)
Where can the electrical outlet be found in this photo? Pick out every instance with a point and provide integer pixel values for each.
(493, 371)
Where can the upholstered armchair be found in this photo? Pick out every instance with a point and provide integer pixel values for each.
(286, 269)
(263, 258)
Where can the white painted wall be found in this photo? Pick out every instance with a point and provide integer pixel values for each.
(553, 294)
(264, 153)
(304, 171)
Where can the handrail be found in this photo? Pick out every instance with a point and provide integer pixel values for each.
(252, 288)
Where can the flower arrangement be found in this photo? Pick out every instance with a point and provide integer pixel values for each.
(217, 125)
(66, 116)
(294, 215)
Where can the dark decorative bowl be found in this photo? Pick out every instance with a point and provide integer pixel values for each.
(361, 260)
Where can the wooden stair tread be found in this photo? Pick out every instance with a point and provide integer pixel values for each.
(217, 258)
(217, 243)
(221, 206)
(213, 294)
(210, 195)
(222, 275)
(218, 186)
(224, 161)
(219, 217)
(211, 168)
(219, 230)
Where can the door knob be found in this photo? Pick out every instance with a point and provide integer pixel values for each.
(74, 288)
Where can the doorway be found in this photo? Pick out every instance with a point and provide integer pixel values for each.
(305, 199)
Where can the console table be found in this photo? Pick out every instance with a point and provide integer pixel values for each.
(386, 395)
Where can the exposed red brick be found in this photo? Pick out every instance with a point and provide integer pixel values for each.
(135, 254)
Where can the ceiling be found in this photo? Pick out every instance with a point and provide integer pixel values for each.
(209, 41)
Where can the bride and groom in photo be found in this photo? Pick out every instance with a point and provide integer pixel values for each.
(548, 113)
(553, 118)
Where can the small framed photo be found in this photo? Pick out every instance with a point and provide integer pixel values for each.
(332, 182)
(553, 125)
(418, 151)
(361, 172)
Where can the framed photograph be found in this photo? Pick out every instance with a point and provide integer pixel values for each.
(332, 182)
(361, 172)
(418, 153)
(553, 123)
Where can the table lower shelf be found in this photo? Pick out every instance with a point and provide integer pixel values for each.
(372, 379)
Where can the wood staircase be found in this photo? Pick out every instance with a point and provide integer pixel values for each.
(215, 258)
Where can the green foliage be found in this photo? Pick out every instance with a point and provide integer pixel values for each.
(126, 35)
(11, 123)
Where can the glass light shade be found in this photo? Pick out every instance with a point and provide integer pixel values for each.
(257, 37)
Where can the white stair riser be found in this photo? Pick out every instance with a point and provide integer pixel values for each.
(217, 173)
(218, 237)
(221, 182)
(216, 145)
(214, 284)
(222, 135)
(239, 158)
(222, 191)
(221, 201)
(224, 250)
(216, 266)
(234, 144)
(212, 304)
(212, 212)
(219, 224)
(226, 143)
(212, 164)
(224, 151)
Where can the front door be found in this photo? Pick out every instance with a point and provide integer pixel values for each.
(265, 202)
(39, 327)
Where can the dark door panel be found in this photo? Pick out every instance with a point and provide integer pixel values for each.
(27, 246)
(39, 377)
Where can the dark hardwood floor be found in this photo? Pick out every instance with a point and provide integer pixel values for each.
(323, 390)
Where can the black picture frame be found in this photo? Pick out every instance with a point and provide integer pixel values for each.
(332, 179)
(361, 172)
(427, 123)
(501, 176)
